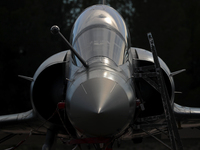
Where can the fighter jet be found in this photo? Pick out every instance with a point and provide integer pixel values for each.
(102, 89)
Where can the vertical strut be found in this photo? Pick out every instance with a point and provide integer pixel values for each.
(169, 115)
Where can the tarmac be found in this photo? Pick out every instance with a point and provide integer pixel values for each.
(190, 139)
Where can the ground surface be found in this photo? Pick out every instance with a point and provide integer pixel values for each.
(190, 139)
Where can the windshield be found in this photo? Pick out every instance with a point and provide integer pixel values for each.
(100, 31)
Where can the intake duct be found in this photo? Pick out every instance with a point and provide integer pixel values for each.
(48, 91)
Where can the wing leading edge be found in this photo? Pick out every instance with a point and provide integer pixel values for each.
(187, 117)
(20, 123)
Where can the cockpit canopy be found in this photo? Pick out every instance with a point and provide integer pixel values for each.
(100, 31)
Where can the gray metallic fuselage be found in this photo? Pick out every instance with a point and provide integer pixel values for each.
(101, 99)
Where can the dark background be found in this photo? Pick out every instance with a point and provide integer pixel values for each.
(26, 41)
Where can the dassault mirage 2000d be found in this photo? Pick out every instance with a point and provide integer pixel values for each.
(102, 90)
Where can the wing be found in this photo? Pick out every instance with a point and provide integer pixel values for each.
(187, 117)
(20, 122)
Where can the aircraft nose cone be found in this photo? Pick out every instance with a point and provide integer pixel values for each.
(99, 107)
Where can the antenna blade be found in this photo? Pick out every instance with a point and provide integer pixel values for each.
(177, 92)
(26, 78)
(177, 72)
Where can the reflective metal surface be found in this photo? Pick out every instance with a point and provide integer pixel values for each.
(102, 60)
(187, 117)
(100, 101)
(100, 31)
(57, 58)
(183, 112)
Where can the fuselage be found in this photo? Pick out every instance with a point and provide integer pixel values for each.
(100, 99)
